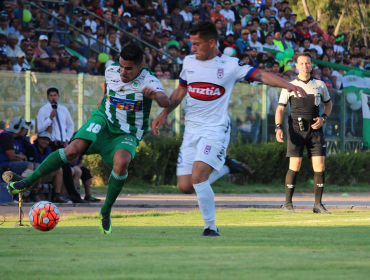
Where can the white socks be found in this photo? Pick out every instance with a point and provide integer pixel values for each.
(218, 174)
(206, 201)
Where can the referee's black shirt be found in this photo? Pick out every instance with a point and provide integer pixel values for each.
(305, 108)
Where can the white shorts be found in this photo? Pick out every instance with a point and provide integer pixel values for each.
(210, 150)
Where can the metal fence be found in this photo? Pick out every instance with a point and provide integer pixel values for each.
(251, 107)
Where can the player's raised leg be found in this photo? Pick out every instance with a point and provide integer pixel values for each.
(121, 160)
(52, 163)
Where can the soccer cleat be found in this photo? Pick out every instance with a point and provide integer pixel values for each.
(288, 208)
(236, 166)
(105, 224)
(17, 187)
(210, 232)
(91, 198)
(9, 176)
(320, 209)
(58, 198)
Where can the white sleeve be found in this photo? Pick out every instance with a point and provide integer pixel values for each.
(284, 97)
(244, 71)
(113, 78)
(43, 120)
(153, 83)
(325, 97)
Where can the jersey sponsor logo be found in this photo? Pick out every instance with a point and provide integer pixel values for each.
(128, 143)
(207, 150)
(111, 70)
(241, 63)
(125, 104)
(205, 91)
(190, 72)
(220, 73)
(128, 139)
(115, 81)
(135, 84)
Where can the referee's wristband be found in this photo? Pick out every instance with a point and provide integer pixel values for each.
(324, 117)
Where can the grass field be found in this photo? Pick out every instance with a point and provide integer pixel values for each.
(255, 244)
(225, 187)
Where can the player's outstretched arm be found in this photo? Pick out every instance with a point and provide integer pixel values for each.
(275, 81)
(176, 98)
(159, 96)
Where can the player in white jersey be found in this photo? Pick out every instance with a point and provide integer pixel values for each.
(207, 80)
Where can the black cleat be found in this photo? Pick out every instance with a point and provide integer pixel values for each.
(79, 200)
(288, 208)
(105, 224)
(17, 187)
(237, 167)
(210, 232)
(320, 209)
(91, 198)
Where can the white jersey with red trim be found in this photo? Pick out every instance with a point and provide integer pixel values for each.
(209, 85)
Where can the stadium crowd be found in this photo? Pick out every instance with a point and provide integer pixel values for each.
(243, 25)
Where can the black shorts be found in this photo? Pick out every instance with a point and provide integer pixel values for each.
(313, 139)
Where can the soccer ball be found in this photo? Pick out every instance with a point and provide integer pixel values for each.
(44, 215)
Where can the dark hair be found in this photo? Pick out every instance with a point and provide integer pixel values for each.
(253, 31)
(306, 39)
(305, 54)
(132, 52)
(355, 47)
(24, 40)
(196, 12)
(3, 37)
(275, 63)
(52, 59)
(205, 29)
(268, 35)
(52, 89)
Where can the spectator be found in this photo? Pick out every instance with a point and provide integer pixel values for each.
(20, 65)
(237, 30)
(314, 45)
(12, 48)
(91, 67)
(166, 23)
(242, 42)
(60, 50)
(281, 19)
(29, 58)
(63, 38)
(216, 15)
(125, 23)
(187, 13)
(52, 64)
(98, 46)
(254, 43)
(75, 63)
(107, 15)
(305, 44)
(326, 78)
(34, 43)
(229, 42)
(64, 62)
(4, 28)
(90, 21)
(202, 8)
(25, 44)
(228, 15)
(3, 45)
(36, 153)
(245, 16)
(167, 75)
(53, 48)
(13, 144)
(159, 75)
(26, 34)
(43, 64)
(330, 33)
(330, 53)
(112, 40)
(95, 5)
(287, 41)
(55, 117)
(177, 22)
(141, 25)
(270, 45)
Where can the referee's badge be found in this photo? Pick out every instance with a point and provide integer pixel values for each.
(317, 99)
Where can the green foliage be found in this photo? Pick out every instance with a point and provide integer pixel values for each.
(156, 159)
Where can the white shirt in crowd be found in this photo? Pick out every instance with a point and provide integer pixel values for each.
(317, 47)
(92, 24)
(188, 17)
(65, 120)
(339, 80)
(256, 45)
(272, 47)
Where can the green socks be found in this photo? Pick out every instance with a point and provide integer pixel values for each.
(52, 163)
(115, 185)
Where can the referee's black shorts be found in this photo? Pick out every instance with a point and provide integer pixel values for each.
(313, 139)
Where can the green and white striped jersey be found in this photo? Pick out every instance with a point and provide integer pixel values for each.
(124, 105)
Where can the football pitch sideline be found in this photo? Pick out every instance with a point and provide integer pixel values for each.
(254, 244)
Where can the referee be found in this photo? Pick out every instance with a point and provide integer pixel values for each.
(304, 130)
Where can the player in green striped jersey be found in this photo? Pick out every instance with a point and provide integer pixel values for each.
(114, 130)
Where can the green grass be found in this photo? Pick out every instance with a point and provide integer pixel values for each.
(225, 187)
(255, 244)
